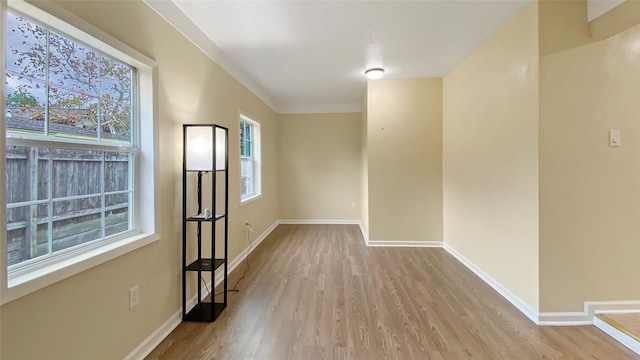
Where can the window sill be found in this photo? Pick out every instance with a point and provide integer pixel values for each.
(22, 285)
(250, 200)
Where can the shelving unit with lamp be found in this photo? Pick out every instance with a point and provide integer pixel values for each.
(206, 155)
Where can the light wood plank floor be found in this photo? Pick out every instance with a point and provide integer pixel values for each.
(317, 292)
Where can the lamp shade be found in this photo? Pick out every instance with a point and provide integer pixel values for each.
(199, 148)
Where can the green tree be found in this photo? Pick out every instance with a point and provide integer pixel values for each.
(22, 98)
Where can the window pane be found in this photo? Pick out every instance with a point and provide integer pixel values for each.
(73, 66)
(76, 172)
(246, 176)
(27, 233)
(116, 218)
(27, 172)
(115, 81)
(115, 121)
(76, 221)
(26, 51)
(116, 171)
(72, 114)
(25, 104)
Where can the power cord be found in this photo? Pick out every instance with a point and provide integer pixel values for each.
(205, 286)
(244, 274)
(235, 287)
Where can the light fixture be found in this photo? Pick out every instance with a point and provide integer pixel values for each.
(374, 73)
(199, 148)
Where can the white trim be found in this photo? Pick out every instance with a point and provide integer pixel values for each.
(174, 15)
(587, 316)
(365, 235)
(3, 200)
(563, 319)
(317, 222)
(36, 280)
(156, 337)
(501, 289)
(256, 158)
(404, 243)
(147, 345)
(320, 108)
(618, 335)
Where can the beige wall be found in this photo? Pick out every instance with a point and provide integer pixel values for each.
(590, 192)
(87, 316)
(490, 157)
(404, 141)
(320, 163)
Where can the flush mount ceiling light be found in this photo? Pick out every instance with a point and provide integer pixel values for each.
(374, 73)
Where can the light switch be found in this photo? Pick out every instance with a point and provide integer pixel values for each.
(614, 138)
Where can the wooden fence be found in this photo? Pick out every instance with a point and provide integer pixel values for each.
(31, 173)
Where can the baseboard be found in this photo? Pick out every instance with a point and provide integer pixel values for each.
(404, 243)
(365, 235)
(587, 316)
(156, 337)
(317, 222)
(150, 343)
(564, 319)
(501, 289)
(618, 335)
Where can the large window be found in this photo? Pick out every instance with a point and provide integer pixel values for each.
(60, 94)
(76, 161)
(249, 159)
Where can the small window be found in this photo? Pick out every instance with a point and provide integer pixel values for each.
(249, 159)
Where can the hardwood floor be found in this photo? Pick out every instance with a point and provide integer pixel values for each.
(317, 292)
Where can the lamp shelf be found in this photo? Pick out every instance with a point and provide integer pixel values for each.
(205, 264)
(203, 312)
(200, 219)
(205, 153)
(205, 171)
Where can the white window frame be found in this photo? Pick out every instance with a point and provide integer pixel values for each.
(27, 279)
(256, 159)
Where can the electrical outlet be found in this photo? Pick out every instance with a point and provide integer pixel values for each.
(134, 296)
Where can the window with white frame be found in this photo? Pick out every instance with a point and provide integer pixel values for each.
(249, 159)
(72, 157)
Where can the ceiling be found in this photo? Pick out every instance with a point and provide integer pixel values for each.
(310, 56)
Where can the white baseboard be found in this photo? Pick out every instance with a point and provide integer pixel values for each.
(153, 340)
(618, 335)
(501, 289)
(365, 235)
(396, 243)
(587, 316)
(156, 337)
(317, 222)
(564, 319)
(404, 243)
